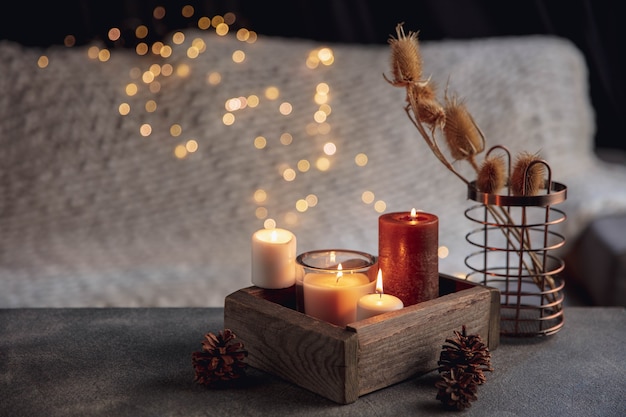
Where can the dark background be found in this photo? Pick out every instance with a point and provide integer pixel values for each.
(591, 25)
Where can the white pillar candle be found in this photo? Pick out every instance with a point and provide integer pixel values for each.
(374, 304)
(273, 258)
(333, 297)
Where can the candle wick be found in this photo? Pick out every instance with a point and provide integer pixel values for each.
(380, 293)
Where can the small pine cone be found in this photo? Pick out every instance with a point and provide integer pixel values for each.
(456, 389)
(220, 361)
(467, 353)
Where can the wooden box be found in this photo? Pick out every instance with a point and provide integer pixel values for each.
(343, 363)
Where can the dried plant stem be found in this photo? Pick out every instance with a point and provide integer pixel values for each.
(472, 161)
(432, 144)
(464, 140)
(504, 218)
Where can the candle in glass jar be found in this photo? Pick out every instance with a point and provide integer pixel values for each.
(333, 297)
(378, 303)
(273, 258)
(326, 261)
(407, 252)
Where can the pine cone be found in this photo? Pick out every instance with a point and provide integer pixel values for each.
(457, 389)
(462, 364)
(467, 353)
(221, 360)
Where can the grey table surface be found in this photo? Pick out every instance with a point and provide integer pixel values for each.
(137, 362)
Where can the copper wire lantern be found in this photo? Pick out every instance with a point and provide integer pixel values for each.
(517, 242)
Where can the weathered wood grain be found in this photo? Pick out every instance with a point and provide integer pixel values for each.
(343, 363)
(316, 355)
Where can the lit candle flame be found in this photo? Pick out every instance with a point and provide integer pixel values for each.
(413, 213)
(379, 282)
(339, 272)
(274, 236)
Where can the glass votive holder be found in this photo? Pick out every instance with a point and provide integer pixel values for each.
(329, 283)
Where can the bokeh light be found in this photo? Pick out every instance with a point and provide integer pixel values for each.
(311, 200)
(260, 142)
(204, 23)
(150, 106)
(260, 196)
(272, 93)
(289, 174)
(176, 130)
(158, 12)
(330, 148)
(114, 34)
(367, 197)
(361, 159)
(213, 78)
(286, 138)
(124, 109)
(43, 61)
(145, 130)
(141, 31)
(228, 119)
(131, 89)
(285, 108)
(322, 164)
(191, 145)
(239, 56)
(177, 55)
(221, 29)
(304, 165)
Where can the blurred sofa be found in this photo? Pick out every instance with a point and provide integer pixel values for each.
(138, 180)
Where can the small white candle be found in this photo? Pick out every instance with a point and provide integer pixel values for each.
(273, 258)
(374, 304)
(332, 297)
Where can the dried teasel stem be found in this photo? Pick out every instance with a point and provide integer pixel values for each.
(463, 136)
(492, 175)
(432, 143)
(406, 60)
(406, 68)
(503, 217)
(423, 101)
(528, 174)
(527, 178)
(465, 140)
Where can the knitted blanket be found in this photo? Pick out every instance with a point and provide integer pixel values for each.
(155, 206)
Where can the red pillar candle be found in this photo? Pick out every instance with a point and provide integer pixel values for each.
(407, 255)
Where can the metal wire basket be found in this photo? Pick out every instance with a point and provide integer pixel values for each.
(516, 242)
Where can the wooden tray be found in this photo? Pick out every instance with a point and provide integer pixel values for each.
(343, 363)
